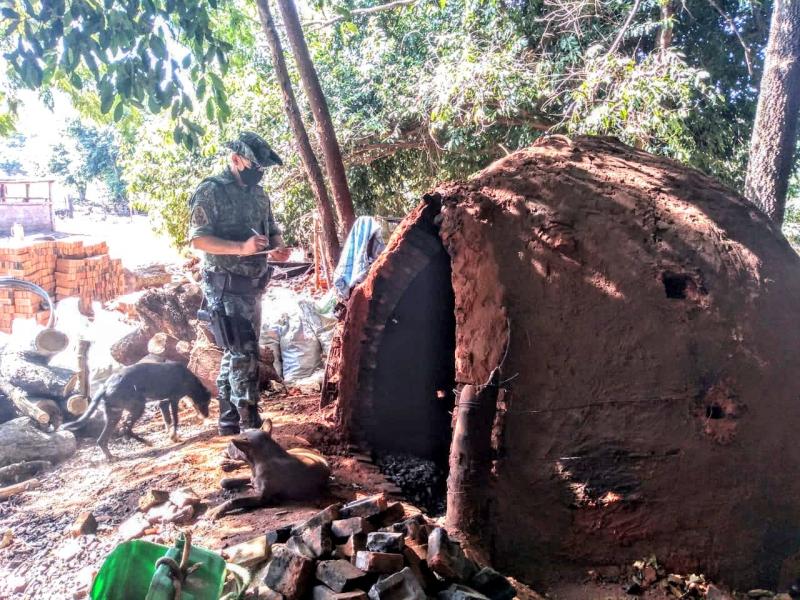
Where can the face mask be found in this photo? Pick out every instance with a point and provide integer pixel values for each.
(251, 175)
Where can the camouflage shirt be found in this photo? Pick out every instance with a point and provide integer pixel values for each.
(224, 209)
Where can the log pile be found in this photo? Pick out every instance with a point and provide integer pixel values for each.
(63, 268)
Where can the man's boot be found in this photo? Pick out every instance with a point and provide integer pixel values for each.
(228, 417)
(249, 417)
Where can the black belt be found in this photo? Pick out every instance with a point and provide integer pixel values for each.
(238, 285)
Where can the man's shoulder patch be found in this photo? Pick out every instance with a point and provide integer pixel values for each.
(199, 217)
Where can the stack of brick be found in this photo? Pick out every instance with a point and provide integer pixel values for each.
(30, 261)
(63, 268)
(369, 549)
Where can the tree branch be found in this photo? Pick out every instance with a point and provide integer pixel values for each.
(729, 20)
(363, 12)
(621, 34)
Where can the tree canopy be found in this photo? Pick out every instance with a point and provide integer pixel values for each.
(419, 91)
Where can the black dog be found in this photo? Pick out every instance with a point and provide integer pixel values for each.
(132, 387)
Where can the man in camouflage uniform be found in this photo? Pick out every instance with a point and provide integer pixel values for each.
(232, 223)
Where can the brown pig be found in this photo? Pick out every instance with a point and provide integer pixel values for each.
(277, 474)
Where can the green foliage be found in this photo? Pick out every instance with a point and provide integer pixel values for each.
(89, 154)
(149, 55)
(435, 91)
(10, 157)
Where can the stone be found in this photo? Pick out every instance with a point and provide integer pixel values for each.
(386, 518)
(322, 592)
(354, 543)
(400, 586)
(760, 594)
(85, 524)
(280, 535)
(340, 575)
(446, 558)
(493, 585)
(169, 513)
(382, 541)
(288, 572)
(461, 592)
(184, 497)
(412, 528)
(249, 554)
(322, 518)
(152, 498)
(365, 507)
(379, 562)
(344, 528)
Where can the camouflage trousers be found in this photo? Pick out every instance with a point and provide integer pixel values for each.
(238, 373)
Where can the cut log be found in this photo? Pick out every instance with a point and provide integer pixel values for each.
(21, 441)
(171, 309)
(18, 488)
(204, 363)
(77, 404)
(53, 410)
(23, 404)
(166, 346)
(131, 348)
(23, 470)
(148, 276)
(22, 370)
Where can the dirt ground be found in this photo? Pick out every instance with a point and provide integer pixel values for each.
(43, 561)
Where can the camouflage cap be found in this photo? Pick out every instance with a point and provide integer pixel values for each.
(253, 147)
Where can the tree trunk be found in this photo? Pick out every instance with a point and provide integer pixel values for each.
(21, 441)
(309, 160)
(667, 25)
(319, 107)
(774, 139)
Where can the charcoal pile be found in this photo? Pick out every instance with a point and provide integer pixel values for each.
(370, 548)
(423, 482)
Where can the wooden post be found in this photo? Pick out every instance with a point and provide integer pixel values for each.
(471, 457)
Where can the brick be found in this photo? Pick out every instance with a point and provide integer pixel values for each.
(289, 573)
(280, 535)
(85, 524)
(461, 592)
(296, 544)
(355, 543)
(325, 517)
(365, 507)
(415, 556)
(391, 515)
(400, 586)
(340, 575)
(249, 554)
(446, 558)
(493, 585)
(322, 592)
(344, 528)
(152, 498)
(383, 541)
(413, 528)
(379, 562)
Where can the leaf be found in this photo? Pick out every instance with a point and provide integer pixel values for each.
(118, 111)
(106, 96)
(210, 110)
(9, 13)
(76, 81)
(157, 46)
(201, 89)
(187, 60)
(177, 134)
(176, 110)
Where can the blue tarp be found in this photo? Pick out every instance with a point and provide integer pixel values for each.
(356, 256)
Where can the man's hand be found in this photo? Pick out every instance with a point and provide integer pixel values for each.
(257, 243)
(279, 254)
